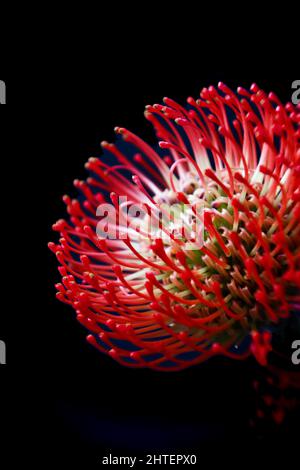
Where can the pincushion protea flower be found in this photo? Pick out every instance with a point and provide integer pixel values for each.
(160, 304)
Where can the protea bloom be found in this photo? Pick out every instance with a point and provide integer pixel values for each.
(156, 302)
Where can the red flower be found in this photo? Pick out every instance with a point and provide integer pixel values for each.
(170, 302)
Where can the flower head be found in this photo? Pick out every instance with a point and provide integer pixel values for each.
(153, 298)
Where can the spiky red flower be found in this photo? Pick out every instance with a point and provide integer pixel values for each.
(160, 303)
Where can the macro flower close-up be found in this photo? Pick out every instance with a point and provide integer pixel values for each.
(173, 254)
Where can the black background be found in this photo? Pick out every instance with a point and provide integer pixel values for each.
(60, 398)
